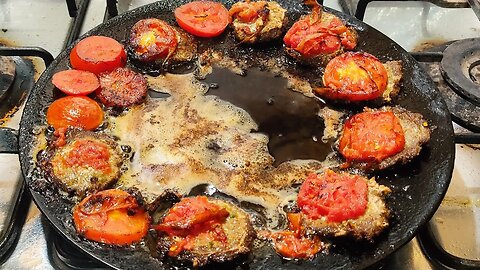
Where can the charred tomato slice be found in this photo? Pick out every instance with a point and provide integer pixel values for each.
(152, 39)
(111, 217)
(312, 36)
(247, 12)
(354, 76)
(190, 218)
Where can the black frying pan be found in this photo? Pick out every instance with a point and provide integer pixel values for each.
(417, 188)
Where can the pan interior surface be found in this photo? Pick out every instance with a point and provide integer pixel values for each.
(417, 188)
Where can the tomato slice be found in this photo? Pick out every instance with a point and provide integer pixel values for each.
(91, 153)
(311, 36)
(111, 217)
(337, 197)
(354, 76)
(152, 39)
(293, 243)
(191, 212)
(203, 18)
(76, 82)
(371, 136)
(98, 54)
(75, 111)
(247, 12)
(122, 88)
(191, 218)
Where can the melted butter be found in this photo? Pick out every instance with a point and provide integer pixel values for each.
(192, 137)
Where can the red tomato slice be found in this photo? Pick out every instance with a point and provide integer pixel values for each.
(354, 76)
(75, 111)
(90, 153)
(247, 12)
(190, 212)
(76, 82)
(203, 18)
(371, 136)
(293, 243)
(290, 245)
(98, 54)
(338, 197)
(311, 37)
(112, 217)
(190, 218)
(152, 39)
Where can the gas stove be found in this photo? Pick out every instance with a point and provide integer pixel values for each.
(425, 28)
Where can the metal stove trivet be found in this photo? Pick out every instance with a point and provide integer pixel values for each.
(12, 96)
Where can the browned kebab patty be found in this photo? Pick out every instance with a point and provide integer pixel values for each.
(395, 74)
(416, 133)
(122, 88)
(202, 230)
(88, 162)
(268, 24)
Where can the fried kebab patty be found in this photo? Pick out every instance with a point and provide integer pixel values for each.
(367, 226)
(88, 162)
(269, 25)
(416, 132)
(238, 231)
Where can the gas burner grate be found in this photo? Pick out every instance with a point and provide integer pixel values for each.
(358, 11)
(12, 98)
(63, 255)
(7, 75)
(15, 86)
(461, 68)
(464, 111)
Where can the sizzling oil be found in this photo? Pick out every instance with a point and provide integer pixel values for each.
(191, 138)
(288, 118)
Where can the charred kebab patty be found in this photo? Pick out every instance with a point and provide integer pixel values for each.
(259, 21)
(201, 229)
(88, 162)
(380, 138)
(122, 88)
(339, 204)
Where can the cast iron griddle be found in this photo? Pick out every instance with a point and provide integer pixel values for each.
(417, 188)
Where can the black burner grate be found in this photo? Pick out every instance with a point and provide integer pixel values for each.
(358, 11)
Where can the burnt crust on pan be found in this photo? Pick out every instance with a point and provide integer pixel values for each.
(365, 227)
(416, 132)
(239, 232)
(81, 180)
(270, 29)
